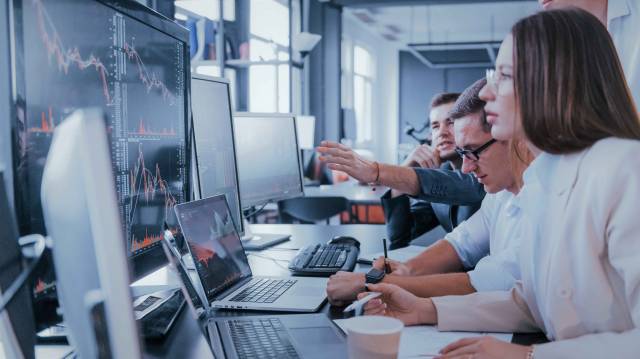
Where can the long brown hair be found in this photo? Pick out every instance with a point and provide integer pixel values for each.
(569, 83)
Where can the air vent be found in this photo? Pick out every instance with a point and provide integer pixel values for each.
(456, 55)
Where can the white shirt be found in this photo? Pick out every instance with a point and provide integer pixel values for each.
(580, 258)
(623, 23)
(488, 240)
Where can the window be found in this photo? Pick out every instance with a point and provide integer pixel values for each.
(269, 84)
(358, 75)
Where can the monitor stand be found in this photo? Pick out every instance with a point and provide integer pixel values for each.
(258, 241)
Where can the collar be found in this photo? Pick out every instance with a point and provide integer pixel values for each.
(555, 173)
(616, 9)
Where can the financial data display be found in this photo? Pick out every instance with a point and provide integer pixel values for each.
(77, 54)
(214, 243)
(268, 160)
(215, 150)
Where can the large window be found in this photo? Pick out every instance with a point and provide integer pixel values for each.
(269, 42)
(358, 77)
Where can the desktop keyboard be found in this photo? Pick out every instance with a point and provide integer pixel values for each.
(263, 338)
(261, 290)
(324, 259)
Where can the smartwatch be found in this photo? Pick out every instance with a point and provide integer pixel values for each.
(374, 276)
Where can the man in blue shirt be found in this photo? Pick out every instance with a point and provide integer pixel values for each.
(486, 241)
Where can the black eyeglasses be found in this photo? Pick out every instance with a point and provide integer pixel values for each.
(474, 155)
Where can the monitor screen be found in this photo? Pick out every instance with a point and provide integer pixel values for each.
(214, 145)
(131, 62)
(214, 243)
(268, 158)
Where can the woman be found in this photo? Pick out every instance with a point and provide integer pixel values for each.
(559, 85)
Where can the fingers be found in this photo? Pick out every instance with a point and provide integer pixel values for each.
(379, 263)
(375, 307)
(459, 345)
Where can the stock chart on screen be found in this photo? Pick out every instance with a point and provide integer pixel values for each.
(78, 54)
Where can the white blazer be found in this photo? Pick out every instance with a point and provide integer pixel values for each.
(579, 258)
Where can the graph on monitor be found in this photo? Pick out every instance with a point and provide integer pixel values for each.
(136, 74)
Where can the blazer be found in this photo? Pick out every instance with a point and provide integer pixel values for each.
(579, 258)
(447, 197)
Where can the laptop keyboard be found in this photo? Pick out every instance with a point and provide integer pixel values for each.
(263, 290)
(261, 338)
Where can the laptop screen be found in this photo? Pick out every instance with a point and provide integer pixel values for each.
(214, 243)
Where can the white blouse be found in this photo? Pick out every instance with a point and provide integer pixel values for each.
(579, 258)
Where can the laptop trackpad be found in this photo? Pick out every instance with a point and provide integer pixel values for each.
(310, 340)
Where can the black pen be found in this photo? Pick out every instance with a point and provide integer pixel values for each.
(386, 265)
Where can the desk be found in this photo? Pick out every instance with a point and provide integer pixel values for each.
(185, 334)
(305, 234)
(363, 199)
(355, 193)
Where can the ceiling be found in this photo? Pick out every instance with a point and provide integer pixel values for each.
(434, 33)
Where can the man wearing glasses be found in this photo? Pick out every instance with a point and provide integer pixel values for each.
(486, 241)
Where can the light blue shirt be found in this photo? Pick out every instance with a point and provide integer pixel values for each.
(489, 241)
(623, 23)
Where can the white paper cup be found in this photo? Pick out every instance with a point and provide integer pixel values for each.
(373, 337)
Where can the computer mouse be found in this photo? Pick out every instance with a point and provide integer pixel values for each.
(344, 240)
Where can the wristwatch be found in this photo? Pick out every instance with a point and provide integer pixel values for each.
(374, 276)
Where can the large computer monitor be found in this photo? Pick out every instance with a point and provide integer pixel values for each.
(215, 152)
(132, 63)
(268, 158)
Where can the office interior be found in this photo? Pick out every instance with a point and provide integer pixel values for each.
(221, 101)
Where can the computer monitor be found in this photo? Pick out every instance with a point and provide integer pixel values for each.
(306, 127)
(89, 251)
(132, 63)
(215, 152)
(268, 158)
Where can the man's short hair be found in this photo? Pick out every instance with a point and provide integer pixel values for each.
(469, 103)
(444, 98)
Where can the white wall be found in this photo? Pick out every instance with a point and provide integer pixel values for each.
(385, 88)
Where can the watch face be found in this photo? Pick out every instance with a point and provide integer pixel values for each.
(374, 275)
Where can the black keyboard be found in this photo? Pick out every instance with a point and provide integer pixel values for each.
(261, 290)
(261, 338)
(324, 259)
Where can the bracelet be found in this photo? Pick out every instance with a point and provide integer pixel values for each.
(530, 353)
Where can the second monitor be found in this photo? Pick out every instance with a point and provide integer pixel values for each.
(268, 159)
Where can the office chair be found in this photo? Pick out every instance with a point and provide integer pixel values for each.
(309, 210)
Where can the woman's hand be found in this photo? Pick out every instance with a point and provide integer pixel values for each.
(398, 303)
(485, 347)
(397, 268)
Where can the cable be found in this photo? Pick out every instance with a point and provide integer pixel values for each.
(256, 211)
(274, 260)
(10, 293)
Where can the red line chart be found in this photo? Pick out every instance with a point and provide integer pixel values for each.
(65, 58)
(145, 183)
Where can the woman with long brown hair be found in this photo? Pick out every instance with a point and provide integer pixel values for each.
(559, 86)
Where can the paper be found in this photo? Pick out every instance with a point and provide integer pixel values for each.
(425, 340)
(401, 255)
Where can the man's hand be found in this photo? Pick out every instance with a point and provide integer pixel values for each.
(397, 268)
(400, 304)
(483, 348)
(341, 158)
(423, 156)
(343, 287)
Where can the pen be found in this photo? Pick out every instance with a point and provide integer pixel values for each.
(386, 265)
(361, 302)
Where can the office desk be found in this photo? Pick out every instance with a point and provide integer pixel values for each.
(185, 338)
(355, 193)
(273, 261)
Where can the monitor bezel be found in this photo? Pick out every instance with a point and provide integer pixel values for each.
(240, 225)
(153, 259)
(300, 174)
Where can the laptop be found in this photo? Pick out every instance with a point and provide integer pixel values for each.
(223, 267)
(311, 336)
